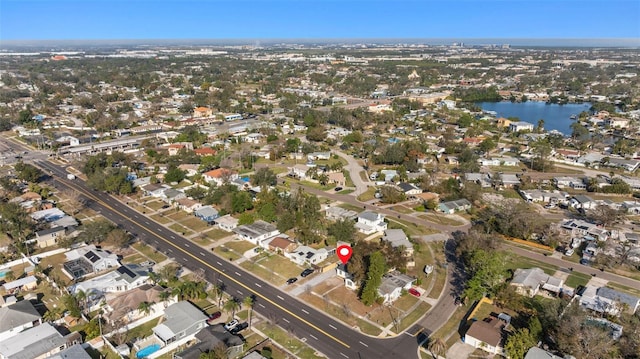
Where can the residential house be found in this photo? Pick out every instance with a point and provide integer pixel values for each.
(48, 237)
(282, 245)
(87, 260)
(489, 162)
(520, 126)
(409, 189)
(42, 341)
(126, 277)
(508, 161)
(175, 148)
(188, 205)
(389, 175)
(582, 202)
(342, 272)
(207, 214)
(487, 335)
(189, 169)
(451, 207)
(508, 180)
(124, 306)
(200, 112)
(226, 223)
(304, 255)
(67, 222)
(452, 160)
(608, 300)
(315, 156)
(569, 182)
(537, 353)
(205, 151)
(17, 317)
(299, 171)
(256, 232)
(220, 176)
(370, 222)
(47, 215)
(617, 122)
(337, 178)
(171, 195)
(544, 196)
(393, 283)
(154, 189)
(580, 228)
(210, 338)
(398, 239)
(182, 320)
(26, 283)
(339, 214)
(629, 165)
(529, 281)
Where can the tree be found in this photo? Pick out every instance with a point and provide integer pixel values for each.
(437, 347)
(174, 174)
(377, 268)
(248, 302)
(391, 195)
(28, 172)
(231, 305)
(145, 307)
(604, 215)
(342, 230)
(518, 343)
(487, 273)
(264, 177)
(71, 304)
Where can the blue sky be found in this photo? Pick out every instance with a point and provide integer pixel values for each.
(262, 19)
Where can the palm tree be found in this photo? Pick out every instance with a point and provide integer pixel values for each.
(218, 291)
(437, 347)
(145, 307)
(231, 306)
(248, 302)
(81, 297)
(53, 314)
(164, 297)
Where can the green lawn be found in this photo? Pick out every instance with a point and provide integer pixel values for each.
(155, 205)
(264, 273)
(225, 253)
(515, 261)
(368, 195)
(281, 265)
(151, 253)
(441, 219)
(177, 215)
(410, 228)
(160, 218)
(216, 234)
(288, 341)
(181, 229)
(195, 224)
(405, 302)
(135, 258)
(412, 317)
(575, 279)
(239, 246)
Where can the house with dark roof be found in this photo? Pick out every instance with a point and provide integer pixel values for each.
(17, 317)
(409, 189)
(48, 237)
(282, 245)
(208, 339)
(125, 278)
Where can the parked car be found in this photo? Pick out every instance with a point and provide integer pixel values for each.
(338, 189)
(292, 280)
(232, 324)
(569, 252)
(213, 317)
(306, 272)
(238, 328)
(458, 301)
(414, 292)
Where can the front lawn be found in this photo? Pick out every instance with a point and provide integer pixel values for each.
(281, 265)
(195, 224)
(151, 253)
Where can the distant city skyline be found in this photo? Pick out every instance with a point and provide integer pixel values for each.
(308, 19)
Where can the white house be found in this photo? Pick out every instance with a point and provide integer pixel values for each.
(181, 321)
(393, 284)
(88, 259)
(343, 272)
(398, 239)
(256, 232)
(304, 255)
(125, 278)
(582, 202)
(227, 223)
(409, 189)
(520, 126)
(41, 341)
(17, 317)
(299, 171)
(370, 222)
(219, 176)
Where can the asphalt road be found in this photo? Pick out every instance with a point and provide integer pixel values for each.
(322, 332)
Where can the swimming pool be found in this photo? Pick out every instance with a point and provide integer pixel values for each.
(4, 272)
(146, 351)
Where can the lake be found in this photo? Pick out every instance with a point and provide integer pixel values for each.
(556, 117)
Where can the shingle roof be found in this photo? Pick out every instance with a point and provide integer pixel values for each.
(17, 314)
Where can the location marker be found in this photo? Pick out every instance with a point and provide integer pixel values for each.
(344, 253)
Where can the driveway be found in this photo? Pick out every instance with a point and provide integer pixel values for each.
(354, 169)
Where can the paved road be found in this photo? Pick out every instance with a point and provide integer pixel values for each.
(322, 332)
(354, 169)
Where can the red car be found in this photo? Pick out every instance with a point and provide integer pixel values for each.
(414, 292)
(213, 317)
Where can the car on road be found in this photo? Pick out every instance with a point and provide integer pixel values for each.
(232, 324)
(414, 292)
(338, 189)
(213, 317)
(292, 280)
(238, 328)
(306, 272)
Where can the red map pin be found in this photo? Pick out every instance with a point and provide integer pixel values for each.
(344, 253)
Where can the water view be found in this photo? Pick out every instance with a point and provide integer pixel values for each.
(556, 117)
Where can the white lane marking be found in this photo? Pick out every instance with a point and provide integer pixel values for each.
(258, 285)
(219, 263)
(285, 319)
(147, 222)
(187, 245)
(279, 297)
(170, 250)
(313, 336)
(172, 237)
(364, 344)
(344, 355)
(304, 311)
(261, 306)
(238, 274)
(333, 327)
(220, 280)
(202, 254)
(135, 216)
